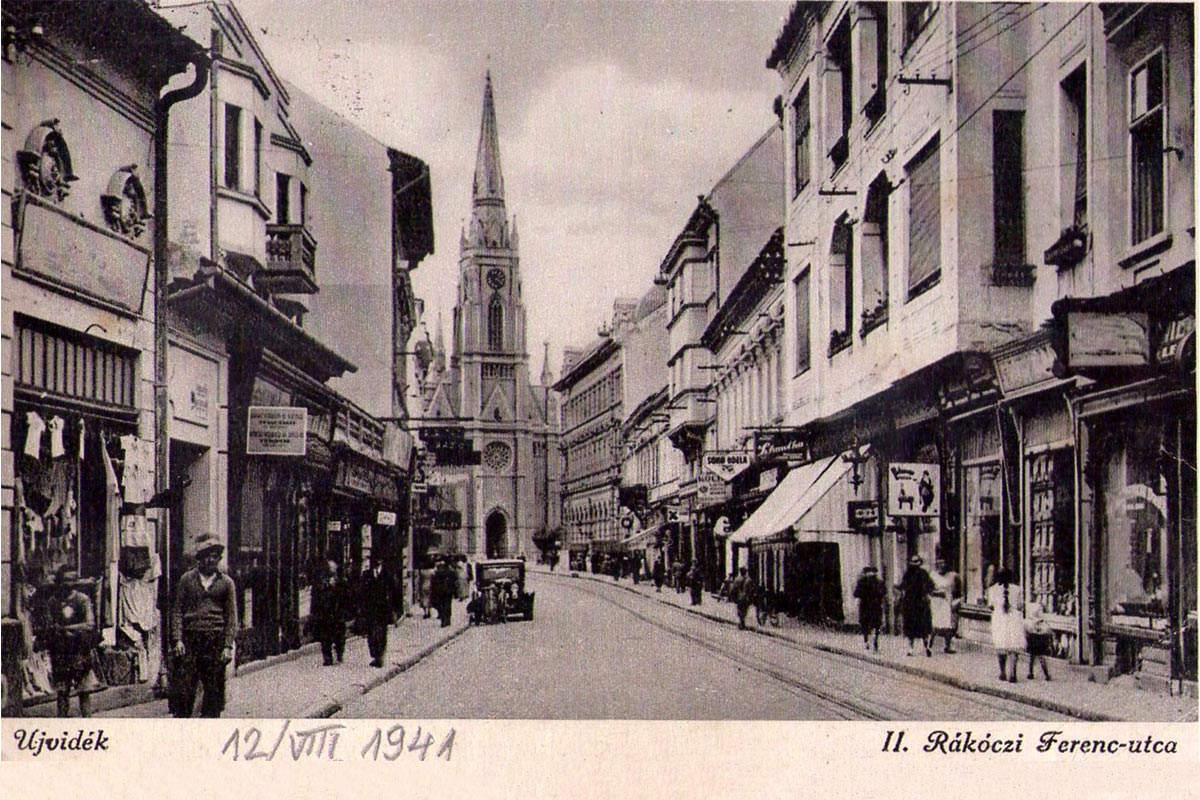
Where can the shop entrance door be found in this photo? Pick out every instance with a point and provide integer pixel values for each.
(495, 535)
(819, 581)
(189, 518)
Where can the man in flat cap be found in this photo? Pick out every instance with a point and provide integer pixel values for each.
(70, 636)
(203, 629)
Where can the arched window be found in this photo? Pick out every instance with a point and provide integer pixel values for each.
(495, 326)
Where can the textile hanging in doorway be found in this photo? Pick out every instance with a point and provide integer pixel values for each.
(57, 447)
(33, 437)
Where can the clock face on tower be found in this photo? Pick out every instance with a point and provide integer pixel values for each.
(495, 279)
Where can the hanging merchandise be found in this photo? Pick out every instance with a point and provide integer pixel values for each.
(137, 475)
(135, 532)
(82, 439)
(57, 448)
(33, 438)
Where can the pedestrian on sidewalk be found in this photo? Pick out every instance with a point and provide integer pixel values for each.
(743, 592)
(204, 628)
(330, 606)
(70, 635)
(1008, 624)
(635, 568)
(462, 578)
(376, 609)
(442, 591)
(944, 602)
(679, 576)
(915, 587)
(1039, 639)
(659, 574)
(696, 583)
(870, 592)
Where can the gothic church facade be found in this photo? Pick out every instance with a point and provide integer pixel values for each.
(510, 498)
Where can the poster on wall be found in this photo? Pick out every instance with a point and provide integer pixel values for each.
(914, 490)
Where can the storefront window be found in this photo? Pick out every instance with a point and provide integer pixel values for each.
(1135, 516)
(981, 529)
(1051, 495)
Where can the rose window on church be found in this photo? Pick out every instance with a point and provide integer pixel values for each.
(497, 456)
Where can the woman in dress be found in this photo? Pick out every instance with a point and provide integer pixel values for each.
(943, 603)
(1008, 623)
(915, 588)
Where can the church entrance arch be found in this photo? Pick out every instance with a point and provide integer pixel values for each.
(495, 531)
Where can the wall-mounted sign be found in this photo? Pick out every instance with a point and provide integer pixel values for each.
(1178, 340)
(721, 526)
(914, 490)
(862, 514)
(780, 444)
(334, 526)
(673, 514)
(1100, 340)
(768, 480)
(711, 489)
(386, 518)
(1026, 367)
(728, 464)
(276, 430)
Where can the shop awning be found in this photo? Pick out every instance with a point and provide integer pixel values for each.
(640, 539)
(799, 519)
(775, 513)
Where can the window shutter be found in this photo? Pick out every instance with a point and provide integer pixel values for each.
(831, 117)
(865, 58)
(924, 216)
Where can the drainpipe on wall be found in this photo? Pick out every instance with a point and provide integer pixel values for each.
(162, 277)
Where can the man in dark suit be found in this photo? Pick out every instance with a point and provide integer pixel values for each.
(376, 609)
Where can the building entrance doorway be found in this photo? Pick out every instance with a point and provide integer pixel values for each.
(496, 535)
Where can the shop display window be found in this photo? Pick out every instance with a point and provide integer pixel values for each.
(1136, 529)
(981, 502)
(1051, 496)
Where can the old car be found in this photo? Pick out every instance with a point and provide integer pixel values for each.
(499, 593)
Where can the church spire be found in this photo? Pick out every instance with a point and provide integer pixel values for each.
(489, 182)
(489, 224)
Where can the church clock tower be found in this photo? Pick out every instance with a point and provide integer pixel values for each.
(512, 496)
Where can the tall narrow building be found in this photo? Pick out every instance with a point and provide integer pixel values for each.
(511, 497)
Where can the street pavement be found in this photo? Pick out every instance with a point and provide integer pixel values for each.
(599, 649)
(1071, 692)
(301, 686)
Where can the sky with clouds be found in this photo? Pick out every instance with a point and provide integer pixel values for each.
(613, 117)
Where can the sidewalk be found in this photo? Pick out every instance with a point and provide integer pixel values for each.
(297, 684)
(972, 668)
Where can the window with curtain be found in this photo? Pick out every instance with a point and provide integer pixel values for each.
(233, 146)
(800, 158)
(800, 289)
(1008, 202)
(1074, 90)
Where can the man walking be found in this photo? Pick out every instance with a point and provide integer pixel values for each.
(376, 609)
(204, 628)
(329, 606)
(870, 592)
(743, 593)
(442, 592)
(659, 573)
(695, 580)
(70, 637)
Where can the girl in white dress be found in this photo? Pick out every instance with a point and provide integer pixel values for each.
(1008, 623)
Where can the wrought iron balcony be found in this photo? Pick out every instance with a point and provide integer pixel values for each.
(291, 261)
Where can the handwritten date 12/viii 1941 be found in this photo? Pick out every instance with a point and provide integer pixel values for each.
(322, 742)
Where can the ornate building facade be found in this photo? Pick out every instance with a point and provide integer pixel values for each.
(511, 496)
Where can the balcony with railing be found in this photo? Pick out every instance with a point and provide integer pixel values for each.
(291, 261)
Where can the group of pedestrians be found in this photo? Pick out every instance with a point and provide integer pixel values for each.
(928, 606)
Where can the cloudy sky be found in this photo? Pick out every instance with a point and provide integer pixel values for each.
(613, 118)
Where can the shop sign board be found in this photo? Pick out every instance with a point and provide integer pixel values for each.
(673, 513)
(334, 526)
(1102, 340)
(1026, 368)
(782, 444)
(914, 490)
(1175, 340)
(728, 464)
(862, 514)
(276, 430)
(711, 489)
(768, 479)
(386, 518)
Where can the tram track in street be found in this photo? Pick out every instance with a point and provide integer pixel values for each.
(844, 703)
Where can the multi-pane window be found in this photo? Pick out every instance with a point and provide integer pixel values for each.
(800, 159)
(233, 146)
(924, 219)
(1075, 145)
(877, 102)
(283, 191)
(1008, 208)
(303, 205)
(1146, 112)
(841, 283)
(916, 17)
(803, 355)
(874, 257)
(839, 98)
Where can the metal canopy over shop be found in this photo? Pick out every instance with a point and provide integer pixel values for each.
(776, 512)
(641, 539)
